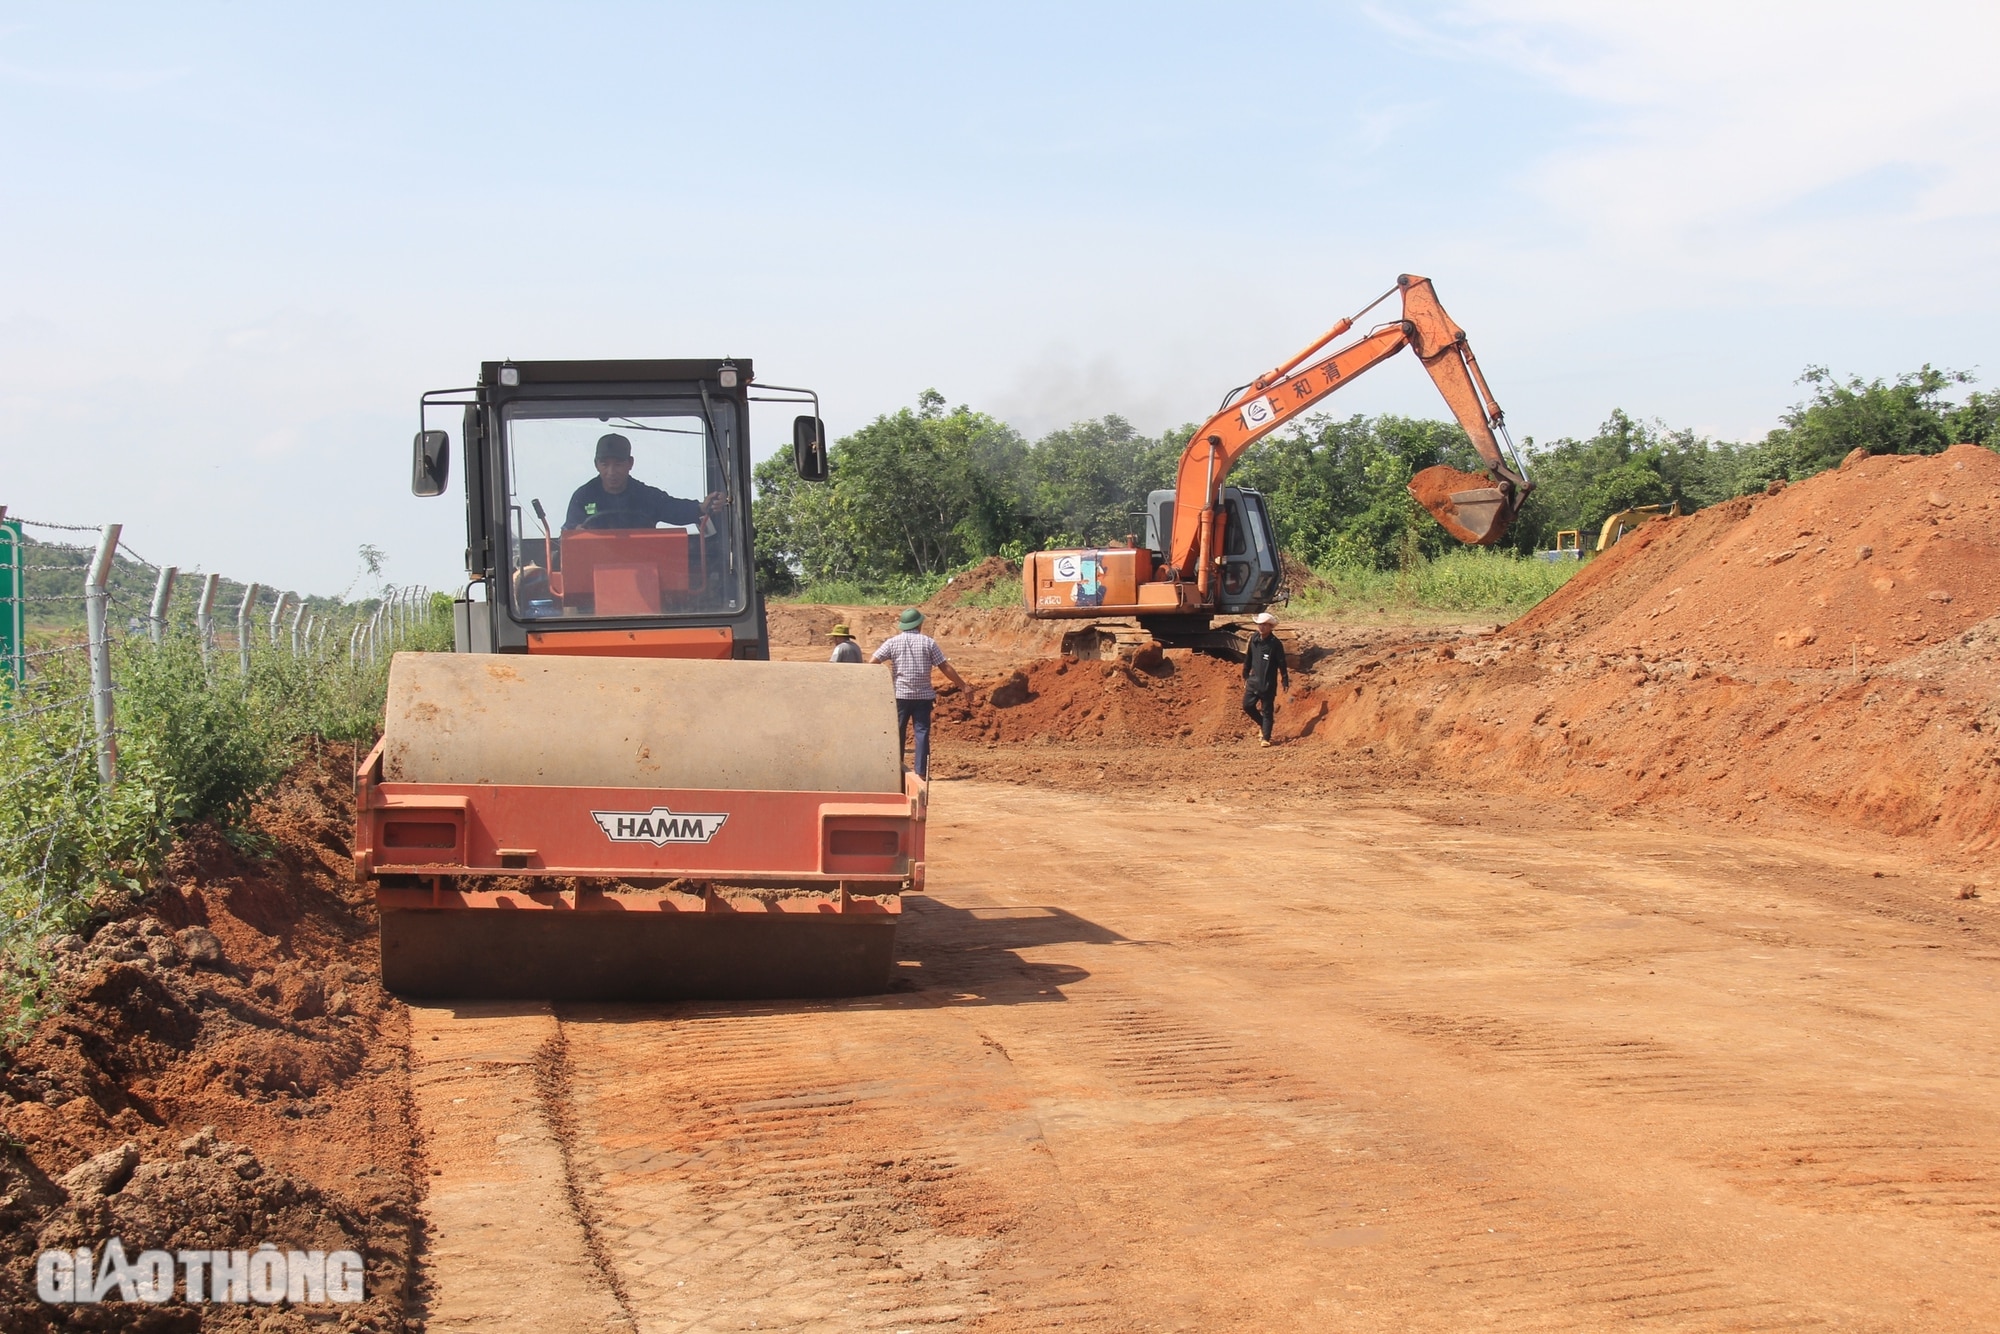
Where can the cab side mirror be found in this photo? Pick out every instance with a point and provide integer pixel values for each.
(809, 448)
(431, 464)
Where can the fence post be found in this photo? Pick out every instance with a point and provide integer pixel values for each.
(298, 614)
(96, 608)
(13, 623)
(243, 629)
(163, 591)
(204, 614)
(277, 612)
(312, 628)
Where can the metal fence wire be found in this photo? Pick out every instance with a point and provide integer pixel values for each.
(76, 602)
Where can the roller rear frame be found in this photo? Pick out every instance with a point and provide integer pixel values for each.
(486, 889)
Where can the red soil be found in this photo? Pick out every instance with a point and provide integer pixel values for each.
(977, 639)
(1872, 561)
(1822, 654)
(994, 571)
(234, 1032)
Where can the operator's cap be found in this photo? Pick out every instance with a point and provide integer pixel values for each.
(840, 632)
(613, 446)
(1266, 618)
(910, 619)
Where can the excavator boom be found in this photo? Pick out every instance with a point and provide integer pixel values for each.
(1473, 509)
(1210, 548)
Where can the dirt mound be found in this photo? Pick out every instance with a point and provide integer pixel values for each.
(978, 639)
(1825, 653)
(226, 1071)
(1818, 654)
(1867, 563)
(1185, 698)
(993, 572)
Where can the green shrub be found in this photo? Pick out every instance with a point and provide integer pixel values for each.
(197, 741)
(904, 590)
(219, 744)
(1465, 579)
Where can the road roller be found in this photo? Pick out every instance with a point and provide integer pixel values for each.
(608, 791)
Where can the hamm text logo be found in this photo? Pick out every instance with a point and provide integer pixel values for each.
(658, 826)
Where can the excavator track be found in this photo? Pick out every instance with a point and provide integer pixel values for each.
(1111, 641)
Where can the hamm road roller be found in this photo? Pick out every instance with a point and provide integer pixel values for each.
(608, 791)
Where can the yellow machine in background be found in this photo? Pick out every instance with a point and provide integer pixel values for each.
(1569, 546)
(1624, 521)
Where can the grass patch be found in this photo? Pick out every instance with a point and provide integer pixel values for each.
(1468, 581)
(905, 591)
(199, 740)
(1004, 594)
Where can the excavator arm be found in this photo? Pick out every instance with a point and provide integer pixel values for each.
(1472, 508)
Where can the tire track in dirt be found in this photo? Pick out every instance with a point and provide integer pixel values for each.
(1688, 1086)
(1907, 1164)
(1202, 1093)
(552, 1083)
(1265, 1130)
(1621, 1066)
(747, 1169)
(1901, 1159)
(1398, 1085)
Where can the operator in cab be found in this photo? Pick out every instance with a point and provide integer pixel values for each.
(616, 499)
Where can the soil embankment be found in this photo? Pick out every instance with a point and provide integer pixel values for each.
(226, 1071)
(979, 639)
(1824, 652)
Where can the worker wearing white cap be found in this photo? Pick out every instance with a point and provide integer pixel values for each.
(1263, 669)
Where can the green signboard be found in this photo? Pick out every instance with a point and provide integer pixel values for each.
(13, 624)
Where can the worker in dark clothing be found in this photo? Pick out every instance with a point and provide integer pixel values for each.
(1263, 669)
(616, 499)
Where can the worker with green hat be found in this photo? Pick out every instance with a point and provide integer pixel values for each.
(912, 655)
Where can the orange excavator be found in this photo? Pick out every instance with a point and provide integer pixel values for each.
(1210, 549)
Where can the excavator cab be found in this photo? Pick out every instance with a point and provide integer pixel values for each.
(1248, 575)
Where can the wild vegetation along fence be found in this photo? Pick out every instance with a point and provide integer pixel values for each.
(135, 697)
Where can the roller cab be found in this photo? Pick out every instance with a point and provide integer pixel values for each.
(608, 791)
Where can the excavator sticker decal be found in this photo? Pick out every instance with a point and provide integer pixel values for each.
(1257, 413)
(1089, 587)
(658, 826)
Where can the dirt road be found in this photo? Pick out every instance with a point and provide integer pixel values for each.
(1350, 1063)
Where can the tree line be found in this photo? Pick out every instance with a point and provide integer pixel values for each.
(929, 489)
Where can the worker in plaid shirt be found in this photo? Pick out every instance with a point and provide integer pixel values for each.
(912, 655)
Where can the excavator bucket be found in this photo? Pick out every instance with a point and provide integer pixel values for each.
(552, 827)
(1467, 504)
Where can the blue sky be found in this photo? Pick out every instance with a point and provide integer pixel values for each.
(238, 240)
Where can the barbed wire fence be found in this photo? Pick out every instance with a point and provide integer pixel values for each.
(76, 602)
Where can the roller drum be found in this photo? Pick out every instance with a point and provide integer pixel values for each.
(640, 722)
